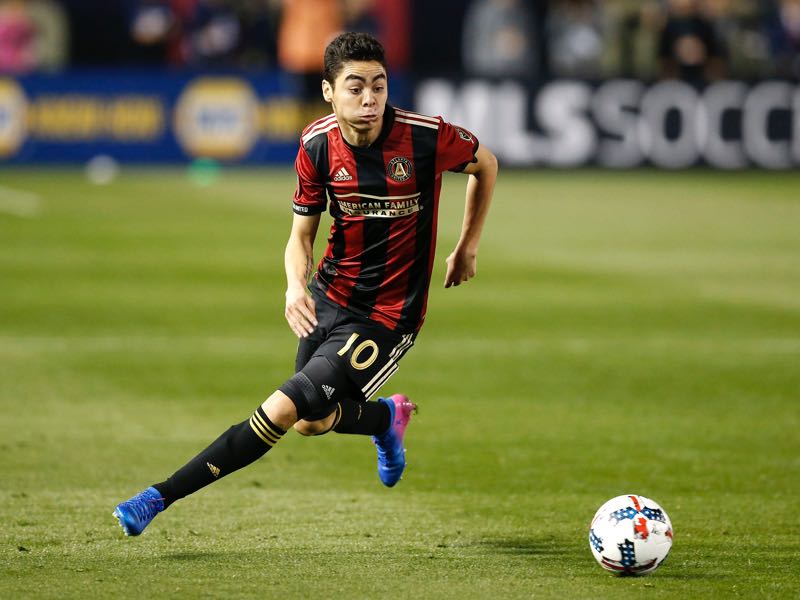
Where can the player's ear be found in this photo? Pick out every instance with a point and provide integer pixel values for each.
(327, 91)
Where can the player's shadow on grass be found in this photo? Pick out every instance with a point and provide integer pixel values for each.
(524, 546)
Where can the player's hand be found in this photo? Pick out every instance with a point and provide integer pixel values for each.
(301, 313)
(461, 267)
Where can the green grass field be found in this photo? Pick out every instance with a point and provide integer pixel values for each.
(626, 333)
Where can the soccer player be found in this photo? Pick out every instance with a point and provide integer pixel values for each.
(379, 169)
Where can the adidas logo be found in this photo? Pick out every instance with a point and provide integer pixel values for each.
(342, 175)
(214, 470)
(328, 390)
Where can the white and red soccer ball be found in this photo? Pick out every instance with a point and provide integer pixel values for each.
(630, 535)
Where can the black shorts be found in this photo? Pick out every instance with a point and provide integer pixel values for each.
(367, 351)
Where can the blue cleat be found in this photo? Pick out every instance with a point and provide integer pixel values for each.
(135, 514)
(391, 453)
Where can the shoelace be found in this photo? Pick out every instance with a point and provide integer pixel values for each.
(145, 510)
(390, 452)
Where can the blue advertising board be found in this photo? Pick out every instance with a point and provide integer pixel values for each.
(154, 116)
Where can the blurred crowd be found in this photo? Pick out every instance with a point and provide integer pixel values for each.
(694, 40)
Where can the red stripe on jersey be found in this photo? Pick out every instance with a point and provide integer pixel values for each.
(351, 229)
(400, 253)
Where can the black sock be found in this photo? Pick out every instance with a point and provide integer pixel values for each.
(363, 418)
(241, 445)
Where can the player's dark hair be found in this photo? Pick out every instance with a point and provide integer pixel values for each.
(351, 46)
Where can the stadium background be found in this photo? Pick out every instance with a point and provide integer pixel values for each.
(571, 83)
(634, 326)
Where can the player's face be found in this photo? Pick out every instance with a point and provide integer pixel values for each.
(358, 96)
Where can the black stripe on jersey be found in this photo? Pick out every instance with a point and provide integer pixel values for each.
(372, 180)
(424, 141)
(327, 269)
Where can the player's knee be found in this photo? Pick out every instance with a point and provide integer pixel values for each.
(303, 394)
(312, 427)
(280, 409)
(316, 387)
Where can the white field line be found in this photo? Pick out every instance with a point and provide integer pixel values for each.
(20, 203)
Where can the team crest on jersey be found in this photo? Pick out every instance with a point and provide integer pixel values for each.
(464, 135)
(399, 168)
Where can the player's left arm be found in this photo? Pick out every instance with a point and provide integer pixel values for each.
(462, 262)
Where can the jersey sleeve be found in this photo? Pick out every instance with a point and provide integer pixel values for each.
(309, 197)
(455, 148)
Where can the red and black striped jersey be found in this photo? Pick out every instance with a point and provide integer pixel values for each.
(384, 202)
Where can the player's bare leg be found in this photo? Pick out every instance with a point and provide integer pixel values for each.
(320, 427)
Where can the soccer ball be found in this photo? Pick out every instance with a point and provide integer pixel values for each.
(630, 535)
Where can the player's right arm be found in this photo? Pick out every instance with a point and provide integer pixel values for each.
(308, 204)
(299, 262)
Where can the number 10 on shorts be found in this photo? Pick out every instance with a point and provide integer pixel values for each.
(363, 355)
